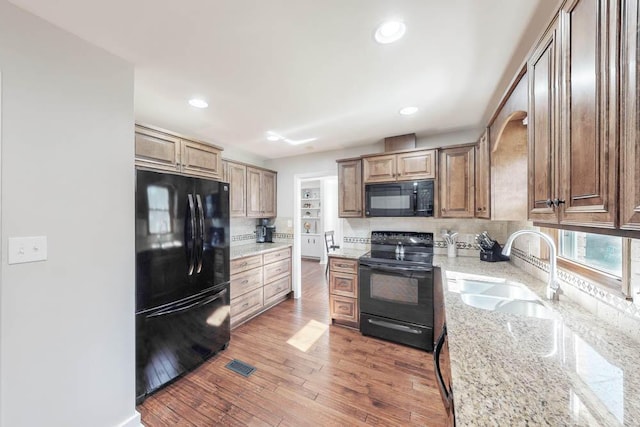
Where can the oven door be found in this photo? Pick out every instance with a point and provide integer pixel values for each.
(397, 292)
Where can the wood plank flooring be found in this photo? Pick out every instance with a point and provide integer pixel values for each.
(342, 379)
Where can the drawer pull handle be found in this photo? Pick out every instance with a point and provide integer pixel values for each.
(244, 264)
(245, 281)
(246, 304)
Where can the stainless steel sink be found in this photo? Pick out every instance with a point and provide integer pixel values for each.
(501, 296)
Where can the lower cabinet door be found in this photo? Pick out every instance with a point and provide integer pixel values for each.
(344, 310)
(246, 305)
(276, 290)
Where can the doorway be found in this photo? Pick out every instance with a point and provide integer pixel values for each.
(315, 211)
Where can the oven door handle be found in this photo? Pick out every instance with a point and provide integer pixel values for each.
(394, 269)
(389, 325)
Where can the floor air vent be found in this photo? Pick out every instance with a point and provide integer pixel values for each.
(240, 367)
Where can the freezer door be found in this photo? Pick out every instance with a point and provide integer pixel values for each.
(213, 233)
(176, 338)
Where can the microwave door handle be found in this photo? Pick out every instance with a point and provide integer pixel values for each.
(415, 202)
(200, 238)
(190, 243)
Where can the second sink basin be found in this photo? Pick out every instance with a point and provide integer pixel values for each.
(506, 290)
(500, 295)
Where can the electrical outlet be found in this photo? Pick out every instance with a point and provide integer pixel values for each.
(27, 249)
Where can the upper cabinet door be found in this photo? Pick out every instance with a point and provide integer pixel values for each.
(483, 177)
(588, 101)
(416, 165)
(157, 150)
(457, 192)
(200, 159)
(237, 177)
(268, 194)
(379, 168)
(350, 189)
(254, 208)
(543, 81)
(630, 117)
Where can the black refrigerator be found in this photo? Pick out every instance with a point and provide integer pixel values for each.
(182, 275)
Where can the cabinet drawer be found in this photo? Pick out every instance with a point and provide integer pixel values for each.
(276, 270)
(343, 284)
(276, 289)
(343, 265)
(246, 304)
(277, 255)
(247, 263)
(246, 281)
(344, 308)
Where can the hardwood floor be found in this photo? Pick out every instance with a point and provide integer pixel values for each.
(342, 379)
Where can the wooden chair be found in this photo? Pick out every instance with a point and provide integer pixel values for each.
(329, 243)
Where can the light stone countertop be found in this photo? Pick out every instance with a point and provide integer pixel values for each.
(348, 253)
(247, 249)
(512, 370)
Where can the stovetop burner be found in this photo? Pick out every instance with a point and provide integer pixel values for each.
(400, 248)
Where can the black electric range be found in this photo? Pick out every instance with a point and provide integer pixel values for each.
(396, 288)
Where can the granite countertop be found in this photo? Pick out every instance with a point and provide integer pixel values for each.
(247, 249)
(568, 368)
(348, 253)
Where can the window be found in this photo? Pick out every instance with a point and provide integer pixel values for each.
(596, 251)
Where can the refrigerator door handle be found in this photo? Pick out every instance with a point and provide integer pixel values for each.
(190, 243)
(179, 309)
(200, 235)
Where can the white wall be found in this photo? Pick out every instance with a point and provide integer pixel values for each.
(67, 350)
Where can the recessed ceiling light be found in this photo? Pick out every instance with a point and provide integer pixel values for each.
(390, 31)
(407, 111)
(198, 103)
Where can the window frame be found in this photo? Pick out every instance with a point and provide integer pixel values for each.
(612, 283)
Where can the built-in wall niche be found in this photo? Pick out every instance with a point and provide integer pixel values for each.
(312, 243)
(509, 170)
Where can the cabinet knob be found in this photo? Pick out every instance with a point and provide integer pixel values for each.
(548, 202)
(557, 202)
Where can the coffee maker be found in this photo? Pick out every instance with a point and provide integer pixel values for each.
(264, 231)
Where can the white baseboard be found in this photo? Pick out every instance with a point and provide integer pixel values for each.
(133, 421)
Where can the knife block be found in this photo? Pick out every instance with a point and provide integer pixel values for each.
(494, 254)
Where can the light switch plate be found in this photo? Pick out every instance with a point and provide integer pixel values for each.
(27, 249)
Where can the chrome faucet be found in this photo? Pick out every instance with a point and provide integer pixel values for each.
(553, 287)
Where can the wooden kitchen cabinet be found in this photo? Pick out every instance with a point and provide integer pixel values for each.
(343, 291)
(160, 149)
(483, 177)
(350, 188)
(457, 177)
(258, 282)
(261, 193)
(588, 102)
(406, 166)
(572, 118)
(542, 69)
(630, 117)
(237, 178)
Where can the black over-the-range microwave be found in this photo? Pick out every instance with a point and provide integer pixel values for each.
(407, 198)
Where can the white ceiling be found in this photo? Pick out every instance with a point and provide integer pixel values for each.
(303, 68)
